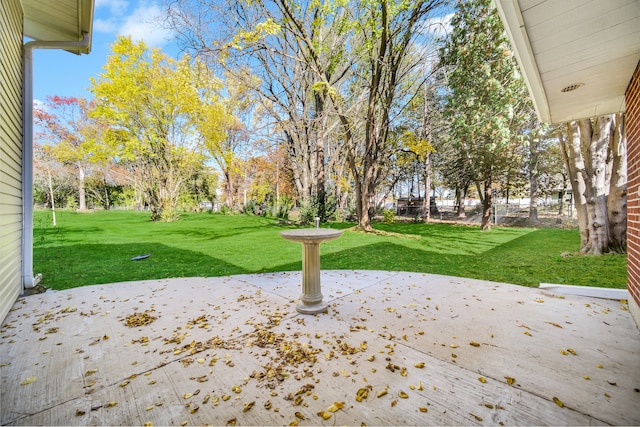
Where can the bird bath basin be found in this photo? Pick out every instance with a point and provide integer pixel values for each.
(311, 297)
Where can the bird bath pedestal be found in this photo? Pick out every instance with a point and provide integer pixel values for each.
(311, 297)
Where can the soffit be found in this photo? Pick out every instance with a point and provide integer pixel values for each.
(58, 20)
(559, 43)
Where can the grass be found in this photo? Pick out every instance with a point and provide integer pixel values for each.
(92, 248)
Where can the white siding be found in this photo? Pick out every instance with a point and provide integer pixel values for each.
(10, 153)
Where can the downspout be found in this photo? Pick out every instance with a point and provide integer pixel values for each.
(28, 279)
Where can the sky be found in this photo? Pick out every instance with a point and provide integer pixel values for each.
(62, 73)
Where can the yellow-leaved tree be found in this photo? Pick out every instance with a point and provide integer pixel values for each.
(154, 103)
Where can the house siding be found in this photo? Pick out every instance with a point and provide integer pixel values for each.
(10, 153)
(632, 124)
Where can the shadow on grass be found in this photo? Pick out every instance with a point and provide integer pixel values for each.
(96, 264)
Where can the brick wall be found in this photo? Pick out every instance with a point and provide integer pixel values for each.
(632, 124)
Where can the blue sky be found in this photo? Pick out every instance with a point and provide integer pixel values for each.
(65, 74)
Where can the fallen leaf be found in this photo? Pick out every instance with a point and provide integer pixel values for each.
(423, 409)
(403, 395)
(299, 415)
(29, 380)
(362, 393)
(325, 415)
(335, 406)
(586, 377)
(90, 372)
(482, 380)
(510, 380)
(572, 351)
(248, 406)
(474, 344)
(80, 413)
(382, 392)
(558, 402)
(110, 404)
(419, 365)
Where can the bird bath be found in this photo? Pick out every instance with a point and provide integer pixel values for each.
(311, 297)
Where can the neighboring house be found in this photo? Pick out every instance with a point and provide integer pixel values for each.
(49, 24)
(581, 59)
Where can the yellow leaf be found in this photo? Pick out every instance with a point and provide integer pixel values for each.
(324, 415)
(558, 402)
(599, 366)
(419, 365)
(29, 380)
(510, 380)
(564, 352)
(382, 392)
(293, 423)
(453, 345)
(474, 344)
(90, 372)
(299, 415)
(423, 409)
(572, 351)
(110, 404)
(248, 406)
(124, 383)
(148, 423)
(586, 377)
(528, 333)
(482, 380)
(188, 395)
(403, 395)
(335, 407)
(362, 393)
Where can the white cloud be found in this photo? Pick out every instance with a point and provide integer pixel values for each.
(144, 24)
(105, 25)
(439, 26)
(117, 7)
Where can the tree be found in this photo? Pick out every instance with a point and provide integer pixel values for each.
(388, 30)
(487, 99)
(154, 102)
(74, 136)
(595, 156)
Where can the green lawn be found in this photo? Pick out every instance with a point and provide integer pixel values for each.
(92, 248)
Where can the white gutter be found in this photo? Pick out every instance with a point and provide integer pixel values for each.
(28, 279)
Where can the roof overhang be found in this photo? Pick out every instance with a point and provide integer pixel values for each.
(577, 56)
(59, 21)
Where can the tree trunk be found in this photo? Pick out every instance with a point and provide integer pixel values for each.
(596, 161)
(595, 141)
(486, 206)
(53, 201)
(82, 198)
(461, 195)
(427, 188)
(572, 156)
(617, 200)
(534, 151)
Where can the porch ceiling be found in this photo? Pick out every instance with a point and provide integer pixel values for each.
(591, 44)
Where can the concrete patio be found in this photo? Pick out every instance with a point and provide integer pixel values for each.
(392, 349)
